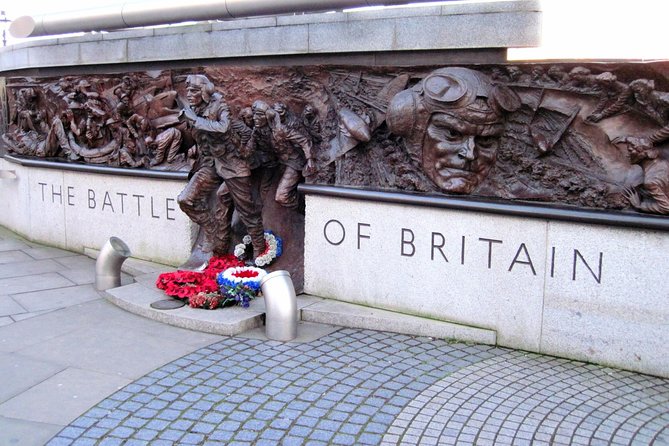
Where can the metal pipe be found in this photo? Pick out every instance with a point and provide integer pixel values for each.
(108, 265)
(515, 208)
(160, 12)
(280, 306)
(96, 168)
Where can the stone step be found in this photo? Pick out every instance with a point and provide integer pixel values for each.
(345, 314)
(138, 297)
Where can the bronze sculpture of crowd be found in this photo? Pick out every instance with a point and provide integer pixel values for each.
(109, 128)
(614, 98)
(228, 151)
(144, 122)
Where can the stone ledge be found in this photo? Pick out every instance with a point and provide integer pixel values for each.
(357, 316)
(497, 25)
(137, 298)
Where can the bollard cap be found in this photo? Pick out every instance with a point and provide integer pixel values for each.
(274, 274)
(119, 246)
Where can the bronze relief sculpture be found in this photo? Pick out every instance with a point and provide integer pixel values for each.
(567, 135)
(221, 167)
(452, 122)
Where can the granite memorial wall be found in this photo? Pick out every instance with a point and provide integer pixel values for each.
(530, 199)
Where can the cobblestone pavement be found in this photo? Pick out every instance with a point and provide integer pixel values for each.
(360, 387)
(520, 398)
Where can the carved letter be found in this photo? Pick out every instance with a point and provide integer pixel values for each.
(91, 199)
(598, 276)
(490, 242)
(122, 195)
(438, 246)
(107, 202)
(139, 197)
(360, 236)
(408, 242)
(70, 195)
(153, 215)
(168, 208)
(325, 232)
(523, 262)
(58, 194)
(43, 186)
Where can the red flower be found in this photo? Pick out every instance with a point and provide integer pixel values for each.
(204, 300)
(188, 284)
(245, 274)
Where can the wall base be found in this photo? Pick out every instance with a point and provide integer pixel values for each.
(588, 292)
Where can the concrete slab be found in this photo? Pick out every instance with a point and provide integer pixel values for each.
(28, 268)
(357, 316)
(114, 51)
(26, 433)
(137, 267)
(57, 298)
(5, 320)
(80, 276)
(20, 373)
(63, 397)
(38, 252)
(9, 306)
(12, 245)
(35, 282)
(147, 280)
(109, 349)
(306, 332)
(136, 298)
(23, 316)
(146, 327)
(57, 323)
(14, 257)
(255, 22)
(77, 262)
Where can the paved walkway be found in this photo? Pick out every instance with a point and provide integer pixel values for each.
(63, 348)
(92, 374)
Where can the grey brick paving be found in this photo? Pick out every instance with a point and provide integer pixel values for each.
(345, 388)
(531, 399)
(360, 387)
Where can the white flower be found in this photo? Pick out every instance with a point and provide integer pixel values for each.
(240, 250)
(229, 274)
(267, 256)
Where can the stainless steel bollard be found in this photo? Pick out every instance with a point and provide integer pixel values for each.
(108, 266)
(281, 306)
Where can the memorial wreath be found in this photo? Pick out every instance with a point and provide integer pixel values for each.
(273, 249)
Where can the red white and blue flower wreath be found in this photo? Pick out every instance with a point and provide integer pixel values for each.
(273, 249)
(240, 284)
